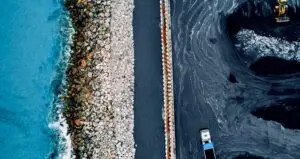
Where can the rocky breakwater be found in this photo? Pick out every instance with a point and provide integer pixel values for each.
(99, 102)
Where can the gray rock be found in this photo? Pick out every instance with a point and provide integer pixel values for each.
(90, 74)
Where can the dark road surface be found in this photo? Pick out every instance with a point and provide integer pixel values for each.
(148, 99)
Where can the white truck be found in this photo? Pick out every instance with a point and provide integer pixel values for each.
(208, 147)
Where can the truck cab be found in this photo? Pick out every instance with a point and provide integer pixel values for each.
(207, 144)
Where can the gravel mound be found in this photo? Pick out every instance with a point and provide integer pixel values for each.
(100, 94)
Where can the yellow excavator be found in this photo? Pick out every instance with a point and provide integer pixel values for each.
(280, 11)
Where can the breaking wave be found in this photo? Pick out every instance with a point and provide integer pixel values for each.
(59, 124)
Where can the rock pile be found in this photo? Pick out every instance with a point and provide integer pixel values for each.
(99, 106)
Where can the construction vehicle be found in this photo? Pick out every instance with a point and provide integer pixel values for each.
(208, 147)
(281, 11)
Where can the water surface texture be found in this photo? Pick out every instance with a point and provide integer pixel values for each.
(29, 53)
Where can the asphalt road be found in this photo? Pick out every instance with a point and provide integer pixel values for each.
(148, 99)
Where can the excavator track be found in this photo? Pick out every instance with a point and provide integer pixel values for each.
(169, 117)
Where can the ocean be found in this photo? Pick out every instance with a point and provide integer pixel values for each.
(33, 52)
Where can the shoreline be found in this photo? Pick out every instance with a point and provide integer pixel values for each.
(58, 121)
(99, 101)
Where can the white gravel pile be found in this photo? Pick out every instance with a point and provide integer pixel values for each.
(122, 77)
(109, 119)
(253, 44)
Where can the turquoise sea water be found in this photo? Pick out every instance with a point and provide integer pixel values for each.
(30, 59)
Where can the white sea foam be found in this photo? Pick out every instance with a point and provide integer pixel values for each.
(60, 124)
(65, 143)
(65, 139)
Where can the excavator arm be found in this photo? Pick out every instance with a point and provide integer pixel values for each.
(280, 11)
